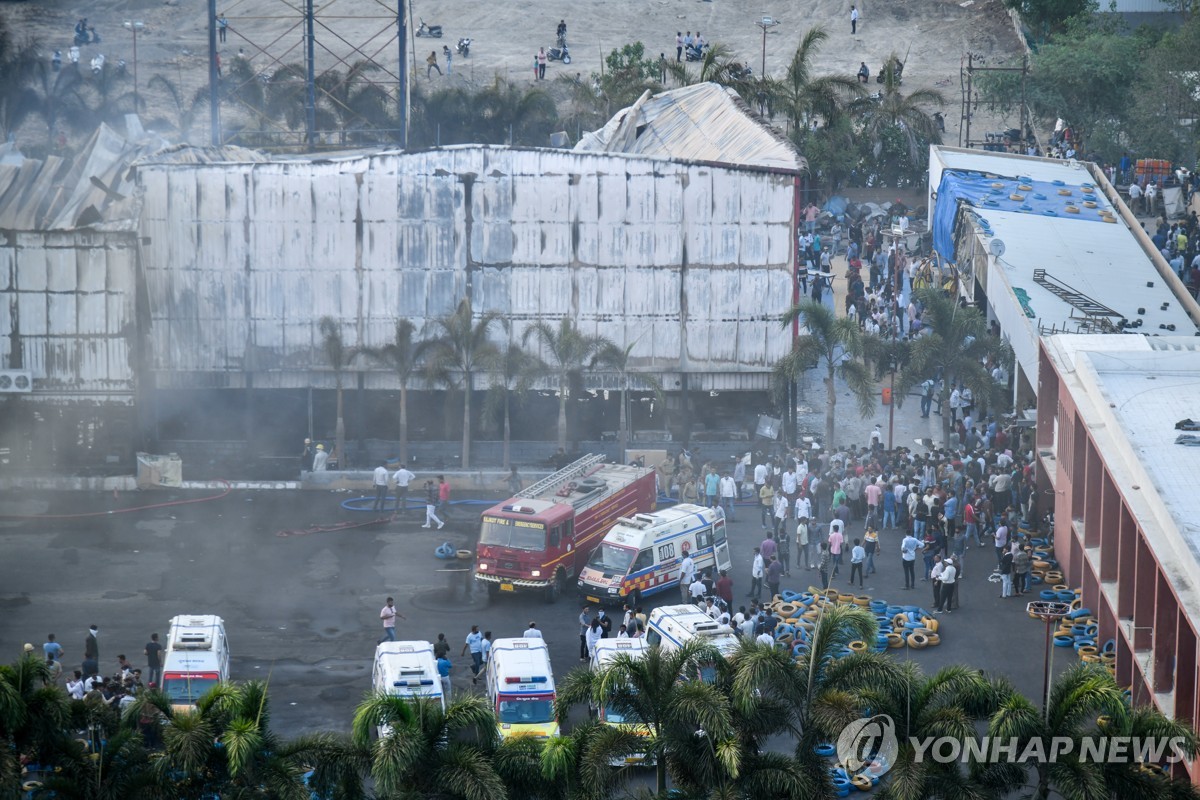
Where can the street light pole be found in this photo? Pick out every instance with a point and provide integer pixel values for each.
(766, 23)
(135, 27)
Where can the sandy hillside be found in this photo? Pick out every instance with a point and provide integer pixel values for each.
(935, 34)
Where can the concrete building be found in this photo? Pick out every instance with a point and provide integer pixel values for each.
(1047, 246)
(1122, 472)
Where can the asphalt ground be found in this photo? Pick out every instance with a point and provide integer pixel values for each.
(301, 610)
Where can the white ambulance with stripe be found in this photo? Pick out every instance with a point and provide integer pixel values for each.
(407, 669)
(606, 651)
(520, 686)
(671, 626)
(196, 659)
(641, 555)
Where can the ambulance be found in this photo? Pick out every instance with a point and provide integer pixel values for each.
(671, 626)
(642, 554)
(605, 653)
(520, 686)
(196, 659)
(407, 669)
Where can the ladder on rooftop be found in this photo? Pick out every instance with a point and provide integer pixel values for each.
(571, 470)
(1073, 297)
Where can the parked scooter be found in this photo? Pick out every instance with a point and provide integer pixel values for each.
(694, 53)
(464, 47)
(433, 31)
(561, 53)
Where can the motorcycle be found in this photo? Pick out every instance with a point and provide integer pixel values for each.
(559, 54)
(464, 47)
(433, 31)
(694, 53)
(87, 36)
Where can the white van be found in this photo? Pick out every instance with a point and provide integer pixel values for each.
(671, 626)
(196, 658)
(520, 686)
(407, 669)
(641, 555)
(605, 652)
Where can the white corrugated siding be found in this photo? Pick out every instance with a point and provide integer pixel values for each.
(73, 297)
(244, 259)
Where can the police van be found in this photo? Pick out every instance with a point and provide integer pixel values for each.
(520, 686)
(671, 626)
(196, 659)
(641, 555)
(407, 669)
(606, 651)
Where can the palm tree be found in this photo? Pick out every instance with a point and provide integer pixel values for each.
(463, 349)
(948, 704)
(578, 764)
(619, 360)
(121, 769)
(568, 352)
(339, 357)
(649, 689)
(515, 371)
(835, 344)
(907, 114)
(404, 356)
(425, 751)
(804, 98)
(956, 347)
(33, 716)
(185, 108)
(1084, 701)
(226, 746)
(718, 65)
(359, 103)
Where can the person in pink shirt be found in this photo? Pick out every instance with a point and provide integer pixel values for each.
(873, 492)
(810, 218)
(835, 544)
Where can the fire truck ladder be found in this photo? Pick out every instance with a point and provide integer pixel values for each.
(1092, 309)
(572, 470)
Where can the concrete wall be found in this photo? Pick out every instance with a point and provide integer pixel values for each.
(689, 263)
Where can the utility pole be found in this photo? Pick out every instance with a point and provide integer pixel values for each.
(766, 23)
(310, 93)
(402, 94)
(214, 92)
(135, 27)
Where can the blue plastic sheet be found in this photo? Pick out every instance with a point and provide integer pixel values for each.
(991, 193)
(836, 205)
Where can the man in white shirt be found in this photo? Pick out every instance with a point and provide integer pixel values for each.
(765, 638)
(908, 558)
(757, 570)
(380, 479)
(781, 514)
(687, 574)
(697, 590)
(729, 492)
(403, 478)
(760, 475)
(788, 482)
(803, 508)
(949, 584)
(532, 632)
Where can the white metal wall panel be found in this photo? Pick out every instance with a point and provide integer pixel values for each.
(598, 237)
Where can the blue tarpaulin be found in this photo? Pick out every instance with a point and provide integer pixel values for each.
(1014, 194)
(836, 205)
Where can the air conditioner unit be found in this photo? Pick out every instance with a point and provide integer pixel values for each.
(16, 381)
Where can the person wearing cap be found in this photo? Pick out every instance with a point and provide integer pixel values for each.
(949, 587)
(320, 459)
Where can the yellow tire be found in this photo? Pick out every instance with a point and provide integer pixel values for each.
(917, 642)
(1016, 198)
(933, 639)
(858, 646)
(1042, 565)
(792, 621)
(930, 623)
(787, 609)
(1108, 658)
(895, 640)
(899, 620)
(862, 600)
(1089, 659)
(786, 638)
(862, 783)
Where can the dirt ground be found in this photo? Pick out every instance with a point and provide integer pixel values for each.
(934, 35)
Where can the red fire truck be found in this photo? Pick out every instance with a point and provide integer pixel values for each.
(543, 537)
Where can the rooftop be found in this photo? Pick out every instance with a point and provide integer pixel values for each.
(1059, 254)
(703, 122)
(1131, 391)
